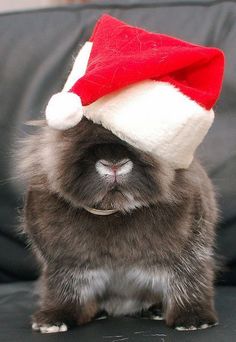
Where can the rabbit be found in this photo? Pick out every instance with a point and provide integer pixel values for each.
(116, 230)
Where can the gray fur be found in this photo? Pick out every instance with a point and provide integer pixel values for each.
(158, 248)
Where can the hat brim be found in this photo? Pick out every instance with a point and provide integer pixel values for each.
(156, 118)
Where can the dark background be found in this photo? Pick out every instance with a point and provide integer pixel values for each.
(36, 49)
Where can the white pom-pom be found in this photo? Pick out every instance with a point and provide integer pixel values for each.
(64, 110)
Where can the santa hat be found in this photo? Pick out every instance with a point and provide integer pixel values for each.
(153, 91)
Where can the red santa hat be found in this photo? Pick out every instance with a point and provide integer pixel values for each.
(154, 91)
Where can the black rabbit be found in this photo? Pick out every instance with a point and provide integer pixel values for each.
(115, 229)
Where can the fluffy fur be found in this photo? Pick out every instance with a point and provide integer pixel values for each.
(156, 251)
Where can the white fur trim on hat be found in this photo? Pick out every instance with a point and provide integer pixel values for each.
(64, 109)
(156, 118)
(79, 66)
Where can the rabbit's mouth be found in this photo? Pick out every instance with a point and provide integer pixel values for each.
(117, 199)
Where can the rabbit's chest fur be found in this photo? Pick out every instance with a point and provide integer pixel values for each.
(122, 290)
(76, 238)
(159, 252)
(113, 258)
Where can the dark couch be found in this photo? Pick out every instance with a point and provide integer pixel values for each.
(36, 49)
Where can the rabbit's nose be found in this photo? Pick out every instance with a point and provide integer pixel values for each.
(108, 168)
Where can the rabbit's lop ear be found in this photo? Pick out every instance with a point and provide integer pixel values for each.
(36, 123)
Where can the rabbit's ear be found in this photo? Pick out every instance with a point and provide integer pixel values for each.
(36, 123)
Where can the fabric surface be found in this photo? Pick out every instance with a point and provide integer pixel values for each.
(122, 55)
(18, 301)
(35, 48)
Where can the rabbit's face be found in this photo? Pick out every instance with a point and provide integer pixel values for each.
(99, 170)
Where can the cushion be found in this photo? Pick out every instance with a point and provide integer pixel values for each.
(18, 301)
